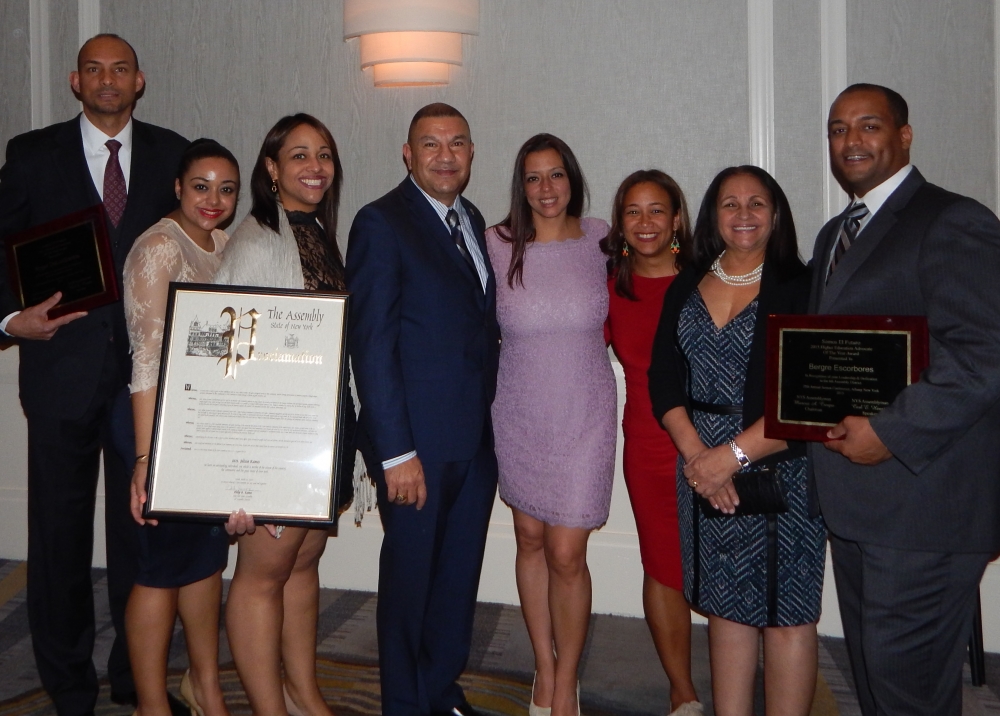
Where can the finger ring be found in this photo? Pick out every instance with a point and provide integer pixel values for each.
(400, 499)
(694, 484)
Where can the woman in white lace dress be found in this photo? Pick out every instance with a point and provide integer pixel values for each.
(181, 563)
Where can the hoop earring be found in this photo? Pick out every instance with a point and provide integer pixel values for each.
(675, 245)
(274, 187)
(625, 249)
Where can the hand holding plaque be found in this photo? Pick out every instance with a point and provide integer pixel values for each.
(59, 268)
(34, 322)
(821, 369)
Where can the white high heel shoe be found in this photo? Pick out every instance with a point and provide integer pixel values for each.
(534, 710)
(290, 706)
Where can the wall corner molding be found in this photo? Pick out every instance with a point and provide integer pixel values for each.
(40, 54)
(760, 50)
(833, 79)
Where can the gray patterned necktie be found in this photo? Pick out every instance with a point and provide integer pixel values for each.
(458, 237)
(848, 233)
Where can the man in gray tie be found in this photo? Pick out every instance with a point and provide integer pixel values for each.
(74, 367)
(911, 495)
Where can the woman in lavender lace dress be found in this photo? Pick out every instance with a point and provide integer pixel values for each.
(556, 405)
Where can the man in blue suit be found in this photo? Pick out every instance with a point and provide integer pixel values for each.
(424, 343)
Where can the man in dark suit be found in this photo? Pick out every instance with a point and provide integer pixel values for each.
(424, 343)
(911, 495)
(73, 367)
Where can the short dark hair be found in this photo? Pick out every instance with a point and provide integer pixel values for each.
(897, 105)
(782, 246)
(108, 36)
(620, 267)
(435, 109)
(518, 227)
(204, 148)
(265, 202)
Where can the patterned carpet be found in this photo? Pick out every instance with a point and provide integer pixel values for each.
(620, 674)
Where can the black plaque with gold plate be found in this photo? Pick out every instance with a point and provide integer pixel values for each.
(821, 369)
(70, 254)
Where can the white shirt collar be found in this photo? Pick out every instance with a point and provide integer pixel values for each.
(876, 197)
(440, 206)
(94, 139)
(471, 244)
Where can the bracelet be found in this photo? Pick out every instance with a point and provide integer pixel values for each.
(741, 457)
(142, 458)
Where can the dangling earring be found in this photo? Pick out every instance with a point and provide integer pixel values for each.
(274, 187)
(625, 249)
(675, 245)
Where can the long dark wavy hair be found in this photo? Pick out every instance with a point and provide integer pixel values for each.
(518, 228)
(265, 202)
(622, 267)
(782, 247)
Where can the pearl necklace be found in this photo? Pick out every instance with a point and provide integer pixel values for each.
(744, 279)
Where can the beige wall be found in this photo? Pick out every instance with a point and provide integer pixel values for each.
(628, 83)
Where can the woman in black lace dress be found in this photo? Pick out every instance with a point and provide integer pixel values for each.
(288, 241)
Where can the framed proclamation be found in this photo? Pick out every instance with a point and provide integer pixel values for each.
(70, 254)
(248, 410)
(821, 369)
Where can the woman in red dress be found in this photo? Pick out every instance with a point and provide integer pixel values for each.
(650, 229)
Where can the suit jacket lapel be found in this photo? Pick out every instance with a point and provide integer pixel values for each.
(821, 260)
(480, 238)
(74, 175)
(869, 238)
(430, 224)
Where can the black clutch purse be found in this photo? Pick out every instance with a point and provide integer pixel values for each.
(760, 493)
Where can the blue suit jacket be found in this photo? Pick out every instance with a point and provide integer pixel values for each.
(423, 335)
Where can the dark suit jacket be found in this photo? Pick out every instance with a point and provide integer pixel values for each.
(668, 370)
(424, 340)
(45, 177)
(927, 252)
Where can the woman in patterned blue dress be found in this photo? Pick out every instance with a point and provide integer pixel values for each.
(755, 574)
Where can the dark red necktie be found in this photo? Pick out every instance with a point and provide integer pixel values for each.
(115, 193)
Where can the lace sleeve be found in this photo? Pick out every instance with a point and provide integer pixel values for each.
(153, 262)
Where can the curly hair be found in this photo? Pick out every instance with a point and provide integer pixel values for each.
(620, 266)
